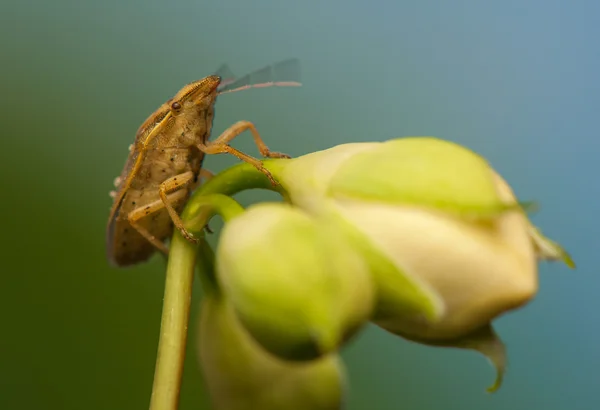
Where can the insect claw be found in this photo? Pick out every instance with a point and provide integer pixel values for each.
(189, 236)
(277, 155)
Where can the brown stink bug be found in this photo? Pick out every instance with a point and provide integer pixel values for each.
(165, 161)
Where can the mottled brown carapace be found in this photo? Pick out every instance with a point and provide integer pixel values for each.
(165, 161)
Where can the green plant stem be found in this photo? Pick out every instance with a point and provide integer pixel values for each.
(203, 207)
(239, 178)
(206, 202)
(174, 323)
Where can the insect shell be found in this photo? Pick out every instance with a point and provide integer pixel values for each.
(164, 147)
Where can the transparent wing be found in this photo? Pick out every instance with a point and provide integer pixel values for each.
(285, 73)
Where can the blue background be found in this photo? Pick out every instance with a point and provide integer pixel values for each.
(517, 81)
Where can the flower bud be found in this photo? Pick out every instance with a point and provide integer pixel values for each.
(299, 288)
(449, 246)
(240, 375)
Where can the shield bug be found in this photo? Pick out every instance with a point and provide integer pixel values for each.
(165, 161)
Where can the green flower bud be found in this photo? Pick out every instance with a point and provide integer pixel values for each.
(297, 286)
(240, 375)
(449, 246)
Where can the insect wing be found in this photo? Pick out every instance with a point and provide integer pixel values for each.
(285, 73)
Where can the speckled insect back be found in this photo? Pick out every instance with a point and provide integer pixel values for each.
(165, 161)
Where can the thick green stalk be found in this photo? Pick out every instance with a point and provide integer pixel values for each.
(239, 178)
(174, 323)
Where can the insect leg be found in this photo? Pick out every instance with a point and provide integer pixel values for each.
(236, 129)
(221, 146)
(174, 184)
(143, 211)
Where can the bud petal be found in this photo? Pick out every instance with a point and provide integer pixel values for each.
(240, 375)
(299, 288)
(477, 268)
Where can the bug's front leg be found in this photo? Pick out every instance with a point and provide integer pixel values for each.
(221, 146)
(175, 184)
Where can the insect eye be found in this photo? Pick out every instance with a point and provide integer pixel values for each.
(176, 106)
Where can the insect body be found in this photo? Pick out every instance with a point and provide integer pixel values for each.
(165, 162)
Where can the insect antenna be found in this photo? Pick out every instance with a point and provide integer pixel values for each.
(285, 73)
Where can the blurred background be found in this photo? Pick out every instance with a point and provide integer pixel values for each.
(515, 81)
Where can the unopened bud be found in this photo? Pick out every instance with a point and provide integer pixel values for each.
(300, 289)
(240, 375)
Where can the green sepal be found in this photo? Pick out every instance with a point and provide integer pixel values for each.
(483, 340)
(547, 249)
(422, 171)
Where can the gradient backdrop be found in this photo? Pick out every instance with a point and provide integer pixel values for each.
(517, 81)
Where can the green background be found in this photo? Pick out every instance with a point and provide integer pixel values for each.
(517, 81)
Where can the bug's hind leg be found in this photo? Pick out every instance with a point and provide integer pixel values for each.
(221, 146)
(140, 213)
